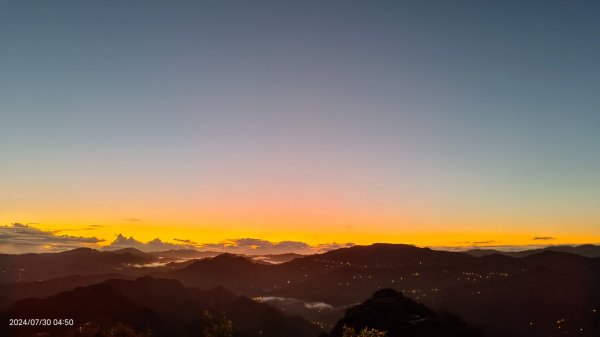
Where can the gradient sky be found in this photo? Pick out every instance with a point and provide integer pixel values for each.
(427, 122)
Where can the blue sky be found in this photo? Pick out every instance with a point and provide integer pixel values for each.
(424, 116)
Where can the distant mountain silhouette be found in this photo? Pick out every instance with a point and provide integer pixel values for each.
(479, 252)
(237, 273)
(582, 250)
(165, 307)
(185, 254)
(390, 311)
(219, 266)
(386, 255)
(81, 261)
(276, 258)
(132, 251)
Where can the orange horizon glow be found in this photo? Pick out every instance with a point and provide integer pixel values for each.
(320, 220)
(208, 235)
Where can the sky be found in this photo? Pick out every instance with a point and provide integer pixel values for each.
(430, 122)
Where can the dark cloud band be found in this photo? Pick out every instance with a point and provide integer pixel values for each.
(20, 238)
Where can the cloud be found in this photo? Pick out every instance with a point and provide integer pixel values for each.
(88, 228)
(132, 219)
(544, 238)
(288, 301)
(251, 246)
(186, 241)
(245, 246)
(19, 238)
(483, 242)
(155, 245)
(476, 243)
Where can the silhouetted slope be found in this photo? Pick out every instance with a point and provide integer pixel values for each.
(556, 260)
(165, 307)
(100, 304)
(263, 320)
(16, 291)
(532, 301)
(541, 288)
(388, 310)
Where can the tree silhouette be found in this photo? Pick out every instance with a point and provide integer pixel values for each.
(119, 330)
(219, 326)
(365, 332)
